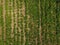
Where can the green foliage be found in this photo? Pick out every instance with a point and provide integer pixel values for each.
(40, 25)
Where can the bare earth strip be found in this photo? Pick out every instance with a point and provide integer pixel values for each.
(19, 19)
(16, 21)
(0, 33)
(12, 23)
(23, 13)
(4, 12)
(40, 30)
(0, 26)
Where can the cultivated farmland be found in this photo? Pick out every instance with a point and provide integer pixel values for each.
(29, 22)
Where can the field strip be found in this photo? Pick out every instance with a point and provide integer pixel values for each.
(47, 30)
(23, 13)
(23, 8)
(8, 22)
(19, 19)
(0, 33)
(4, 12)
(12, 23)
(0, 26)
(0, 3)
(16, 24)
(1, 29)
(53, 13)
(26, 23)
(40, 30)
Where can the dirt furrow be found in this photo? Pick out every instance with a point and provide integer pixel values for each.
(12, 23)
(15, 12)
(0, 32)
(23, 13)
(40, 29)
(0, 26)
(4, 14)
(19, 19)
(16, 20)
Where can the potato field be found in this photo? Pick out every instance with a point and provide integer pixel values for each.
(29, 22)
